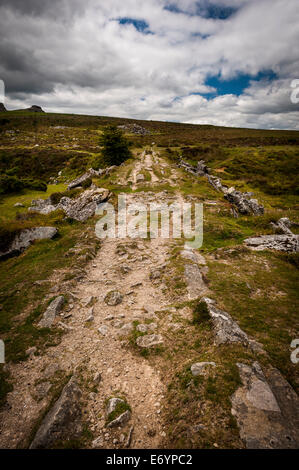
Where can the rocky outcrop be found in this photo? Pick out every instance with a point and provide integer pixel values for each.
(266, 409)
(134, 129)
(289, 243)
(2, 108)
(63, 421)
(80, 208)
(25, 238)
(83, 178)
(49, 315)
(35, 109)
(285, 240)
(242, 202)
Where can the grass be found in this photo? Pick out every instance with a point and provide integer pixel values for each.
(260, 292)
(258, 289)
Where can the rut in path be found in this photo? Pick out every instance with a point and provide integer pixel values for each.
(123, 372)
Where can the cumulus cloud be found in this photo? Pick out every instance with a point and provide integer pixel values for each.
(74, 56)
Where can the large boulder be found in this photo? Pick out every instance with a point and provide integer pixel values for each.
(266, 409)
(25, 238)
(80, 208)
(2, 108)
(63, 421)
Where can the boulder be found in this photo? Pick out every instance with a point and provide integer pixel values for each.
(196, 286)
(49, 315)
(63, 421)
(243, 202)
(149, 341)
(289, 243)
(120, 420)
(83, 178)
(2, 108)
(113, 298)
(200, 368)
(226, 329)
(80, 208)
(266, 409)
(25, 238)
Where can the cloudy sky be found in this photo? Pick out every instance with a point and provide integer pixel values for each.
(223, 62)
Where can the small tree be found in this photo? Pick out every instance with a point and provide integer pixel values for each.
(115, 146)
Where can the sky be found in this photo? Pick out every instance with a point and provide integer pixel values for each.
(221, 62)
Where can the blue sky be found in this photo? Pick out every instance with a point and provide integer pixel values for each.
(221, 62)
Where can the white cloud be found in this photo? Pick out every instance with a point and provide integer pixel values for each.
(88, 63)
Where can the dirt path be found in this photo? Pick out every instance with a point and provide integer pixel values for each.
(123, 265)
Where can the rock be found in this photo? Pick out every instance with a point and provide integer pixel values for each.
(135, 129)
(2, 108)
(140, 177)
(112, 404)
(18, 204)
(199, 368)
(149, 341)
(35, 109)
(87, 301)
(126, 329)
(49, 315)
(266, 409)
(195, 284)
(51, 370)
(243, 203)
(80, 208)
(188, 253)
(202, 168)
(155, 274)
(84, 206)
(43, 206)
(63, 421)
(25, 238)
(120, 420)
(124, 269)
(282, 226)
(289, 243)
(97, 378)
(83, 178)
(97, 443)
(226, 329)
(113, 297)
(103, 330)
(31, 351)
(129, 438)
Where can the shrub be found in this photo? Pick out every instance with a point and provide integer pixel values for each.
(115, 146)
(10, 184)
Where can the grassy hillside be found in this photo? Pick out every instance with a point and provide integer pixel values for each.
(40, 153)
